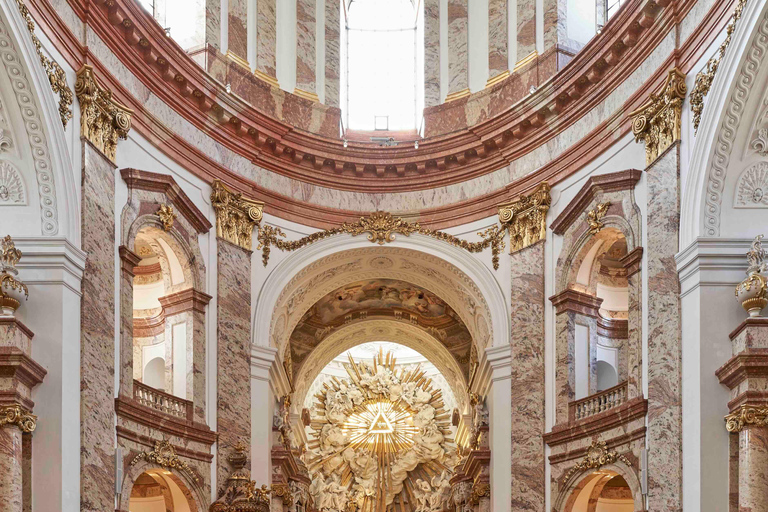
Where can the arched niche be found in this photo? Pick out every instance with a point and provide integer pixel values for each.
(459, 278)
(394, 331)
(194, 494)
(585, 479)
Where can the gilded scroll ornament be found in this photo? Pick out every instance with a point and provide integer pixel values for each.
(283, 492)
(56, 75)
(597, 456)
(240, 493)
(658, 121)
(595, 217)
(746, 416)
(167, 216)
(103, 121)
(236, 216)
(9, 257)
(526, 218)
(706, 76)
(17, 415)
(479, 491)
(164, 455)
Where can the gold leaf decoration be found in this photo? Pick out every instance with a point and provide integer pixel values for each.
(167, 216)
(706, 76)
(658, 121)
(526, 218)
(56, 75)
(9, 257)
(103, 121)
(597, 456)
(747, 415)
(236, 216)
(595, 217)
(164, 455)
(17, 415)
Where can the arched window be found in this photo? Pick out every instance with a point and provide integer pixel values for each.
(379, 65)
(183, 20)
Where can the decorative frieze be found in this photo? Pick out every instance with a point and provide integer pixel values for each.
(165, 456)
(102, 119)
(526, 218)
(746, 416)
(597, 456)
(658, 121)
(17, 415)
(236, 216)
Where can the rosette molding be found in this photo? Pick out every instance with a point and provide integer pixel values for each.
(102, 119)
(658, 122)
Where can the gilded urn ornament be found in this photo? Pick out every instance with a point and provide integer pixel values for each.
(9, 257)
(752, 292)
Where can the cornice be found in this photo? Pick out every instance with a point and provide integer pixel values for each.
(19, 325)
(633, 261)
(185, 300)
(749, 322)
(578, 302)
(603, 422)
(439, 161)
(16, 364)
(129, 260)
(613, 328)
(128, 434)
(149, 326)
(129, 409)
(622, 180)
(748, 364)
(165, 184)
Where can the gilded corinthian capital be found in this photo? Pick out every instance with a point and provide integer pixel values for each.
(17, 415)
(657, 122)
(236, 216)
(102, 119)
(746, 415)
(526, 218)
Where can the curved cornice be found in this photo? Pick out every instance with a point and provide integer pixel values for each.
(171, 74)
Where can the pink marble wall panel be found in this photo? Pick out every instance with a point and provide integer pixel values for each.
(526, 27)
(564, 376)
(213, 23)
(332, 52)
(126, 323)
(634, 344)
(497, 37)
(528, 481)
(753, 469)
(26, 472)
(237, 28)
(233, 358)
(197, 373)
(431, 52)
(306, 53)
(11, 495)
(555, 12)
(266, 36)
(664, 351)
(97, 347)
(458, 55)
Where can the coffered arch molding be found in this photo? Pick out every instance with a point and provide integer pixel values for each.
(379, 329)
(56, 180)
(457, 277)
(739, 79)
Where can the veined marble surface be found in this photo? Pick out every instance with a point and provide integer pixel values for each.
(306, 57)
(332, 52)
(458, 49)
(431, 52)
(266, 37)
(498, 47)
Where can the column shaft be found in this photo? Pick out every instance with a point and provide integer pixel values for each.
(458, 69)
(498, 40)
(97, 347)
(526, 28)
(664, 351)
(332, 52)
(11, 494)
(237, 29)
(233, 358)
(306, 53)
(431, 52)
(266, 37)
(528, 482)
(213, 23)
(753, 469)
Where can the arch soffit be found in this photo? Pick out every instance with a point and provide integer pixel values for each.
(394, 331)
(577, 478)
(460, 279)
(56, 182)
(570, 262)
(740, 69)
(196, 495)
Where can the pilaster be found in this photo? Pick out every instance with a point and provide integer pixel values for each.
(129, 260)
(333, 52)
(499, 400)
(458, 49)
(237, 31)
(431, 52)
(306, 49)
(266, 41)
(498, 43)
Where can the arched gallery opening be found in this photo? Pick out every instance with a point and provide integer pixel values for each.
(159, 490)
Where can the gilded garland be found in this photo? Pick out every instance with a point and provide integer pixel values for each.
(56, 75)
(164, 455)
(706, 76)
(380, 441)
(597, 456)
(524, 219)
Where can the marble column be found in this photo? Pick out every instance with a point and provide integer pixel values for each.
(10, 467)
(431, 52)
(528, 482)
(266, 40)
(526, 29)
(332, 52)
(233, 358)
(213, 23)
(498, 40)
(458, 49)
(306, 51)
(237, 30)
(97, 330)
(128, 260)
(753, 469)
(664, 331)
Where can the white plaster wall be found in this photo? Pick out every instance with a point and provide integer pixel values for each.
(478, 44)
(285, 52)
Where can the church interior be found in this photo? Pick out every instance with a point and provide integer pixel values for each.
(383, 256)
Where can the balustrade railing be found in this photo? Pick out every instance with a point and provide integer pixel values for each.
(597, 403)
(161, 401)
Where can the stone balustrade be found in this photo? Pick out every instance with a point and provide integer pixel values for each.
(161, 401)
(597, 403)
